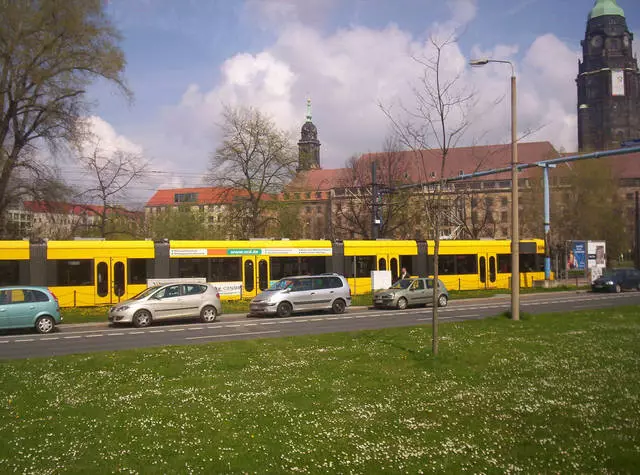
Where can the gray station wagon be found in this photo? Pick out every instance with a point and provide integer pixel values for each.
(409, 292)
(303, 294)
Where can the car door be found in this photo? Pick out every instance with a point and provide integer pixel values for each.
(24, 308)
(429, 291)
(418, 293)
(192, 295)
(5, 309)
(167, 302)
(301, 295)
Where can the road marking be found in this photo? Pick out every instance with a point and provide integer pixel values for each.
(194, 328)
(268, 323)
(316, 319)
(250, 324)
(231, 334)
(156, 331)
(72, 337)
(92, 336)
(50, 338)
(176, 329)
(136, 333)
(366, 316)
(230, 326)
(112, 334)
(24, 339)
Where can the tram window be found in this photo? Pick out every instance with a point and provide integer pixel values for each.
(363, 265)
(382, 264)
(137, 269)
(284, 267)
(394, 269)
(192, 267)
(289, 266)
(103, 279)
(531, 263)
(77, 272)
(467, 264)
(248, 276)
(483, 270)
(225, 269)
(504, 263)
(406, 262)
(313, 265)
(492, 269)
(446, 265)
(9, 272)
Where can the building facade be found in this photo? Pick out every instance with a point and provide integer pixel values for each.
(608, 81)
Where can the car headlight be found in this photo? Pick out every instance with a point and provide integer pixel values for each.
(122, 309)
(610, 282)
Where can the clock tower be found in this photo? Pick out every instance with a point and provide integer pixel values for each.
(608, 81)
(308, 146)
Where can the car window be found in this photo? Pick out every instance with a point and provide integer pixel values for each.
(320, 283)
(193, 289)
(5, 297)
(418, 284)
(301, 285)
(335, 282)
(39, 296)
(168, 292)
(401, 284)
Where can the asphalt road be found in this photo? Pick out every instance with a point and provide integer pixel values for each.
(88, 338)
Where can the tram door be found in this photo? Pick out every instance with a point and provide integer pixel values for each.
(487, 270)
(255, 275)
(390, 262)
(110, 280)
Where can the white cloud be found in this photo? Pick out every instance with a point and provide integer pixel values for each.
(348, 73)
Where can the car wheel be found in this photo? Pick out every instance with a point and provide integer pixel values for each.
(45, 324)
(442, 301)
(142, 318)
(338, 306)
(208, 314)
(402, 303)
(618, 289)
(284, 309)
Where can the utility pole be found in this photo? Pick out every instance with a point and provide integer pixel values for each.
(374, 202)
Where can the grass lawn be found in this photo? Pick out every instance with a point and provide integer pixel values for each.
(99, 314)
(551, 393)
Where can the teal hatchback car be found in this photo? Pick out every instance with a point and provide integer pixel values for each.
(29, 307)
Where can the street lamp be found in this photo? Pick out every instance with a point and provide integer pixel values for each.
(515, 239)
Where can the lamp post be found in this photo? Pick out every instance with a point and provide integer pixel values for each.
(515, 237)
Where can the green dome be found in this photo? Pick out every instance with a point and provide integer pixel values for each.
(605, 7)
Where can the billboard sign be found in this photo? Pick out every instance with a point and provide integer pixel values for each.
(577, 258)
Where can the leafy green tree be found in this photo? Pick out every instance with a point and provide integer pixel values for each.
(50, 52)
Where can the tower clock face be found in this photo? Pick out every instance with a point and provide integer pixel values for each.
(596, 41)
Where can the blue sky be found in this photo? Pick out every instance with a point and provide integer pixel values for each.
(188, 58)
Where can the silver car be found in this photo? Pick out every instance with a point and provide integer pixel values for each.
(408, 292)
(169, 301)
(303, 294)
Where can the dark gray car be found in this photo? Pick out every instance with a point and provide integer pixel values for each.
(411, 292)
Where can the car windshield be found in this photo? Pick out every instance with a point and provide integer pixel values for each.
(281, 284)
(613, 273)
(402, 284)
(145, 293)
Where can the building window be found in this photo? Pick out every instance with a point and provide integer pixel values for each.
(185, 197)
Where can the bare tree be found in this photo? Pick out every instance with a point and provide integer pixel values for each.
(50, 51)
(440, 118)
(110, 174)
(255, 159)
